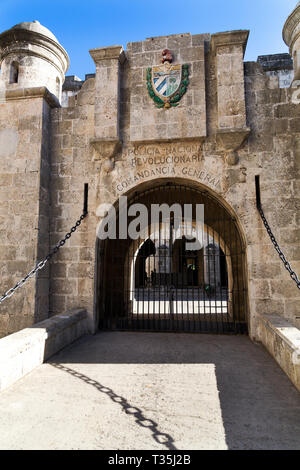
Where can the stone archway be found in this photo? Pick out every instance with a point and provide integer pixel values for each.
(204, 290)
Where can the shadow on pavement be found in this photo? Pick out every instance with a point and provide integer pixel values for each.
(160, 437)
(260, 407)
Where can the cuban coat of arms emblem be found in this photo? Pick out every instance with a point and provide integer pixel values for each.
(167, 83)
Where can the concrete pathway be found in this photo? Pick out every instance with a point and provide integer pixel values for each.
(153, 391)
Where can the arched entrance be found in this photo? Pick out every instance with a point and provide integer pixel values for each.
(175, 277)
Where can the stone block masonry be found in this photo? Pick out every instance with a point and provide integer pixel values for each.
(235, 120)
(25, 197)
(283, 343)
(147, 123)
(270, 150)
(22, 352)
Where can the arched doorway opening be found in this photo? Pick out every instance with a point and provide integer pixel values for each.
(160, 282)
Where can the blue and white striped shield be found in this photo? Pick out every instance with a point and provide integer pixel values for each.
(166, 79)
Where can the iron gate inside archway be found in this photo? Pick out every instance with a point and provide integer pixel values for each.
(157, 282)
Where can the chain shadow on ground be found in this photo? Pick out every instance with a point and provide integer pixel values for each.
(160, 437)
(260, 407)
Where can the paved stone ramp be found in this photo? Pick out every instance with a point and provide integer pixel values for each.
(153, 391)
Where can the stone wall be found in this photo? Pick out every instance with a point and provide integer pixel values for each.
(31, 56)
(24, 209)
(72, 269)
(225, 164)
(22, 352)
(282, 341)
(188, 120)
(227, 128)
(273, 152)
(279, 67)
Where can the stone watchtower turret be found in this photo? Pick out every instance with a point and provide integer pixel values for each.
(291, 36)
(31, 56)
(33, 66)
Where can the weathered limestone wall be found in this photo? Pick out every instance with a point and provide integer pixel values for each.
(117, 141)
(32, 73)
(229, 49)
(107, 86)
(273, 152)
(279, 67)
(22, 352)
(72, 269)
(24, 195)
(224, 165)
(71, 87)
(43, 247)
(31, 56)
(291, 36)
(188, 120)
(282, 341)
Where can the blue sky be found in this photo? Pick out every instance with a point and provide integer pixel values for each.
(81, 25)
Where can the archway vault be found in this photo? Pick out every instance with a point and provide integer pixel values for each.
(155, 283)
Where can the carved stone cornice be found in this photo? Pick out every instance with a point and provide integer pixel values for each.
(33, 92)
(108, 53)
(105, 151)
(229, 38)
(231, 140)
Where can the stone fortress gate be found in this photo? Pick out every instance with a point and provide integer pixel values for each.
(171, 119)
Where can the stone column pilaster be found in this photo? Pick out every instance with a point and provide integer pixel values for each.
(108, 61)
(229, 49)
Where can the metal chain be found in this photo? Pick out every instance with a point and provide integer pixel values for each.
(277, 248)
(42, 263)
